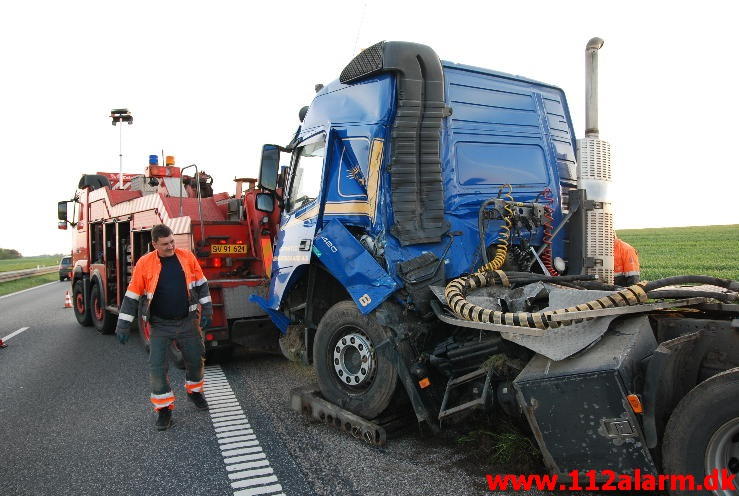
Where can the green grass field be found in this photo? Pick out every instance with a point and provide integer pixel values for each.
(672, 251)
(28, 282)
(27, 263)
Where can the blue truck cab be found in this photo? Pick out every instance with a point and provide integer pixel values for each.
(435, 238)
(402, 161)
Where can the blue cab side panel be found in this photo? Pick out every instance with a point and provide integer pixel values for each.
(352, 117)
(503, 129)
(347, 260)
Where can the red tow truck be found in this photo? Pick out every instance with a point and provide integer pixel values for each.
(231, 235)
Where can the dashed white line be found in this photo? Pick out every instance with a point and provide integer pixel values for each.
(246, 463)
(14, 333)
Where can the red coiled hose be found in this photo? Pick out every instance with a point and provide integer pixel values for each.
(546, 255)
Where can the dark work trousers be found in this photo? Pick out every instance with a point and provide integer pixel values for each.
(190, 342)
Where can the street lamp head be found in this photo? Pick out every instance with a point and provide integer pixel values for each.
(121, 115)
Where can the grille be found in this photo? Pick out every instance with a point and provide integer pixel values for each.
(369, 61)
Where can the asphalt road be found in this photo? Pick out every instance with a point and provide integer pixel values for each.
(75, 419)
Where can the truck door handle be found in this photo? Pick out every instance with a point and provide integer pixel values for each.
(305, 244)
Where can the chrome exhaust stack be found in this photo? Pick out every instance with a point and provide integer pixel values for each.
(594, 176)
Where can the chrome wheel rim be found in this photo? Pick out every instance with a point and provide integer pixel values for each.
(722, 453)
(354, 359)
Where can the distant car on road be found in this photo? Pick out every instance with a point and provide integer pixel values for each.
(65, 268)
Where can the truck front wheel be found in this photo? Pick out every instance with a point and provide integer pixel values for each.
(702, 435)
(350, 372)
(81, 312)
(103, 320)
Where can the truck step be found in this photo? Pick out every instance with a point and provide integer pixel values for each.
(480, 397)
(308, 400)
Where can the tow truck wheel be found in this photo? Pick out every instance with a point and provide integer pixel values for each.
(702, 435)
(81, 313)
(103, 320)
(350, 373)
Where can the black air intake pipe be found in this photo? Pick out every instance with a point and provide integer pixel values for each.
(415, 167)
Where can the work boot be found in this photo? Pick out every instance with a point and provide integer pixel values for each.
(199, 400)
(164, 420)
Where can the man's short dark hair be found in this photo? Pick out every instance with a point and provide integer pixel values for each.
(160, 231)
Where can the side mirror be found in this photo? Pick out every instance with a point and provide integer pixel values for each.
(62, 211)
(265, 202)
(269, 167)
(62, 225)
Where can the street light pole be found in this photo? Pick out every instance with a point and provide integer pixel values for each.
(119, 116)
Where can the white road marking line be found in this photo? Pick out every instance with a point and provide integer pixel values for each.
(254, 482)
(240, 416)
(259, 490)
(222, 412)
(225, 410)
(242, 466)
(221, 416)
(233, 425)
(228, 447)
(222, 435)
(226, 388)
(243, 457)
(251, 473)
(220, 395)
(250, 437)
(29, 289)
(14, 333)
(254, 464)
(244, 426)
(223, 403)
(242, 451)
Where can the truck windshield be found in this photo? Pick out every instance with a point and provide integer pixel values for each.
(306, 182)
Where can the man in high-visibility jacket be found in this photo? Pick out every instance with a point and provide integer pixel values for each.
(626, 269)
(166, 288)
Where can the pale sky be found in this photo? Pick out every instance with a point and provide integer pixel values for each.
(209, 82)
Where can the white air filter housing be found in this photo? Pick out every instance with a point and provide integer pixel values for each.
(594, 176)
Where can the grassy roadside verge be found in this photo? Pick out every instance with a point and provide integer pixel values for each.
(27, 282)
(27, 263)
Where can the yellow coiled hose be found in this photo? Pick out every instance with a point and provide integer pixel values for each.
(501, 250)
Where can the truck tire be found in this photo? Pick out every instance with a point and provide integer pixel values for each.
(350, 373)
(81, 312)
(703, 432)
(103, 320)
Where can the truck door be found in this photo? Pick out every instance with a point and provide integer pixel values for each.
(300, 215)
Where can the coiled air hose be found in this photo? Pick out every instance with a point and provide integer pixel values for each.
(546, 255)
(501, 250)
(456, 296)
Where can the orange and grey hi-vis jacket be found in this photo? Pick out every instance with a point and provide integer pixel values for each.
(144, 283)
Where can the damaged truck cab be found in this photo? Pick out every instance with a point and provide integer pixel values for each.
(446, 247)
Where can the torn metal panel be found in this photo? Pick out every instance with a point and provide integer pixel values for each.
(565, 341)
